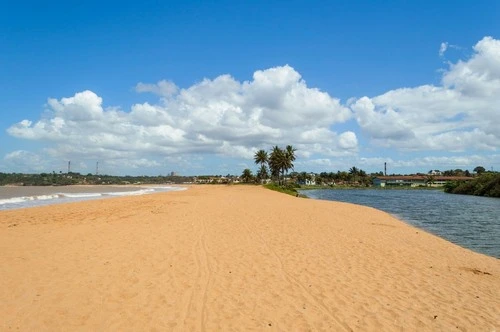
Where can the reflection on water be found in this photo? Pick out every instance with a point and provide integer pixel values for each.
(469, 221)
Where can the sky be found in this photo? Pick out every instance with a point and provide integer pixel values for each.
(197, 87)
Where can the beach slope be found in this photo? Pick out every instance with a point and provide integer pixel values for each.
(228, 258)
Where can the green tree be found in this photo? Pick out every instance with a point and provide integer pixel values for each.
(479, 170)
(353, 171)
(277, 160)
(247, 175)
(262, 158)
(342, 176)
(262, 174)
(363, 177)
(289, 158)
(301, 177)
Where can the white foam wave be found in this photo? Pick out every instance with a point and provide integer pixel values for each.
(130, 193)
(81, 195)
(28, 201)
(13, 200)
(24, 199)
(46, 197)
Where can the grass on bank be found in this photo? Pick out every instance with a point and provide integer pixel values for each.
(289, 189)
(292, 188)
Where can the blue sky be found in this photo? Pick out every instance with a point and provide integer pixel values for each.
(196, 87)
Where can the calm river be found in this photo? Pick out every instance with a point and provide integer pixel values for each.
(469, 221)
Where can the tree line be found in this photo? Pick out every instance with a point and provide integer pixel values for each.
(354, 176)
(72, 178)
(486, 184)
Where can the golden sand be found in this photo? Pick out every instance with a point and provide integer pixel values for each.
(228, 258)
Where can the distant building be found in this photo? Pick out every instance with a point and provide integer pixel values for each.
(310, 180)
(416, 180)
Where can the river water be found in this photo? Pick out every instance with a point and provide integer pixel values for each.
(469, 221)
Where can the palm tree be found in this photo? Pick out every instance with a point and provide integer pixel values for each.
(280, 161)
(247, 175)
(363, 177)
(261, 158)
(353, 171)
(262, 174)
(289, 158)
(277, 161)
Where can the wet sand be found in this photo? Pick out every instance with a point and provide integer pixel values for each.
(226, 258)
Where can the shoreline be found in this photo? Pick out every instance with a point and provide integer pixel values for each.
(30, 196)
(468, 221)
(305, 188)
(236, 258)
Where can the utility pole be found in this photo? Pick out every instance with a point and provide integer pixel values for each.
(97, 168)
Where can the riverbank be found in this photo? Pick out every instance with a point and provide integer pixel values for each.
(349, 187)
(235, 258)
(469, 221)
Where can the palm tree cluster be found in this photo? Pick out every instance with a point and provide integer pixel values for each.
(276, 164)
(353, 176)
(356, 173)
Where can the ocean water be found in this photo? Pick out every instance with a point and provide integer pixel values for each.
(469, 221)
(30, 196)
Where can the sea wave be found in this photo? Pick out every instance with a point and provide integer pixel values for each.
(81, 195)
(130, 193)
(63, 197)
(24, 199)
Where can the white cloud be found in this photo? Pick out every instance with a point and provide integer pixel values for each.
(221, 116)
(132, 163)
(348, 141)
(162, 88)
(83, 106)
(462, 114)
(24, 161)
(446, 162)
(443, 48)
(231, 119)
(479, 77)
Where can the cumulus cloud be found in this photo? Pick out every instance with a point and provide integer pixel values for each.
(220, 116)
(461, 114)
(232, 119)
(24, 161)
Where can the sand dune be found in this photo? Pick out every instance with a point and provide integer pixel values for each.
(228, 258)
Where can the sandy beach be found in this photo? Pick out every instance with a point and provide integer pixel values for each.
(229, 258)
